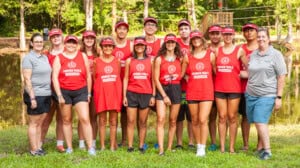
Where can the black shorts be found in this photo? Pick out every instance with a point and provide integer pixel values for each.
(242, 106)
(43, 104)
(138, 100)
(184, 113)
(75, 96)
(223, 95)
(173, 91)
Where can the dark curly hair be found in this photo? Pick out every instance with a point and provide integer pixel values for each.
(163, 50)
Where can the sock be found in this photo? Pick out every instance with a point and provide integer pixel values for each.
(94, 143)
(81, 144)
(59, 143)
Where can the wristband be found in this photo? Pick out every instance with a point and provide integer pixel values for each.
(278, 97)
(89, 95)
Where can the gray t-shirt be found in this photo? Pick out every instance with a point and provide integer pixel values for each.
(263, 72)
(41, 73)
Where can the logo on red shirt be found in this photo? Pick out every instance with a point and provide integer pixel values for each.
(119, 54)
(149, 50)
(140, 67)
(225, 60)
(199, 66)
(108, 69)
(71, 64)
(171, 69)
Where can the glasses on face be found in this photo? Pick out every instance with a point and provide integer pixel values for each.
(37, 42)
(150, 24)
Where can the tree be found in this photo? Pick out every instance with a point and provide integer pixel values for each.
(22, 27)
(114, 15)
(88, 14)
(146, 5)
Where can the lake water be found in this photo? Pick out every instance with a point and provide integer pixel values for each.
(11, 100)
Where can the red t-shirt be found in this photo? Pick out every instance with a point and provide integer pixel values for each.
(122, 54)
(153, 48)
(51, 58)
(248, 53)
(107, 86)
(72, 74)
(170, 72)
(140, 76)
(228, 70)
(185, 49)
(200, 81)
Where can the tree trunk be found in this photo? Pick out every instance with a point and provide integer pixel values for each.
(125, 16)
(297, 59)
(89, 14)
(22, 27)
(298, 23)
(193, 13)
(114, 15)
(146, 6)
(278, 28)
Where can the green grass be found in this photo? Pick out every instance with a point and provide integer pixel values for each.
(285, 141)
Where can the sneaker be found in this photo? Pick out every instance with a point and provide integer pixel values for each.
(92, 151)
(191, 146)
(142, 150)
(265, 156)
(41, 151)
(212, 147)
(179, 147)
(145, 146)
(36, 153)
(60, 148)
(161, 154)
(130, 149)
(200, 151)
(69, 150)
(156, 146)
(259, 152)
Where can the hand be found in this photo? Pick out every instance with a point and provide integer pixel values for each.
(61, 100)
(125, 102)
(243, 74)
(167, 100)
(278, 103)
(152, 101)
(186, 78)
(33, 104)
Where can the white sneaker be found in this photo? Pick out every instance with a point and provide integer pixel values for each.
(200, 151)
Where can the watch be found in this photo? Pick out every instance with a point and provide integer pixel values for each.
(278, 97)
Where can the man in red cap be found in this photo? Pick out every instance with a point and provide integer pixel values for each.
(184, 29)
(250, 34)
(57, 47)
(215, 36)
(153, 43)
(122, 50)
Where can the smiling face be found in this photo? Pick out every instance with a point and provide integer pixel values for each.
(170, 45)
(197, 42)
(228, 38)
(139, 48)
(107, 49)
(56, 39)
(89, 41)
(37, 43)
(263, 39)
(71, 46)
(150, 28)
(215, 37)
(121, 32)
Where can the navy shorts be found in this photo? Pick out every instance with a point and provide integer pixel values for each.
(259, 109)
(138, 100)
(173, 91)
(75, 96)
(43, 104)
(223, 95)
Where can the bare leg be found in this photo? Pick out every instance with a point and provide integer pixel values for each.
(124, 127)
(34, 130)
(113, 120)
(172, 123)
(222, 110)
(143, 116)
(245, 132)
(67, 123)
(179, 132)
(102, 128)
(232, 110)
(131, 121)
(205, 108)
(195, 121)
(161, 117)
(212, 125)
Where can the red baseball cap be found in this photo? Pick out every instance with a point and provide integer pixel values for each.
(215, 28)
(250, 26)
(170, 38)
(107, 41)
(139, 41)
(55, 31)
(71, 37)
(150, 19)
(196, 34)
(228, 30)
(89, 33)
(121, 23)
(184, 22)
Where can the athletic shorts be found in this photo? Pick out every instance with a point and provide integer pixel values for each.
(223, 95)
(184, 112)
(75, 96)
(43, 104)
(259, 109)
(173, 91)
(242, 106)
(138, 100)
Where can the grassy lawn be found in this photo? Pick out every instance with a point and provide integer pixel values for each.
(285, 142)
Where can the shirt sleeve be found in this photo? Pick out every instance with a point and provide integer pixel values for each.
(26, 63)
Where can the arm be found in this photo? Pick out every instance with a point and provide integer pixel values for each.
(184, 65)
(28, 86)
(242, 57)
(280, 86)
(152, 100)
(55, 73)
(88, 76)
(158, 85)
(125, 81)
(213, 62)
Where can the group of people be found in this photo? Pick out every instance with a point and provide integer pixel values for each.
(196, 80)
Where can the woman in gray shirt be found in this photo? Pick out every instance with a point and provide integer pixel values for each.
(267, 72)
(37, 76)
